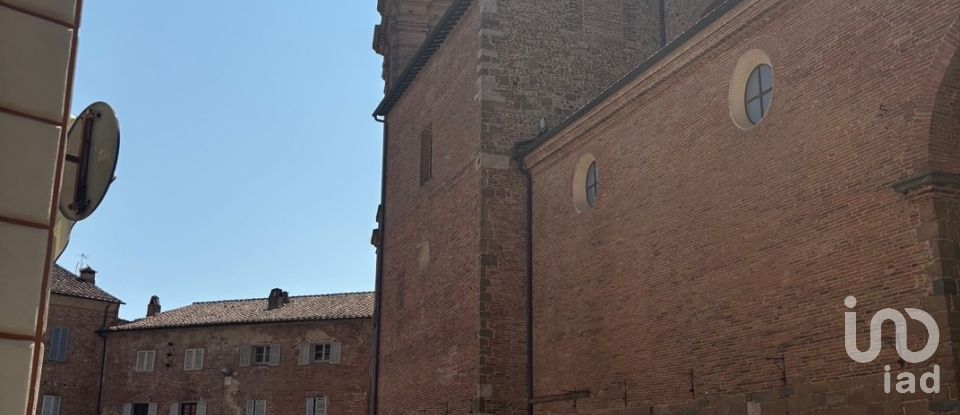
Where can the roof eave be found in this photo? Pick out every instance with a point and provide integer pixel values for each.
(118, 329)
(430, 45)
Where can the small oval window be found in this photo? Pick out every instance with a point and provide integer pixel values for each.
(592, 184)
(586, 180)
(759, 92)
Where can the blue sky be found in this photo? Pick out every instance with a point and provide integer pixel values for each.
(248, 160)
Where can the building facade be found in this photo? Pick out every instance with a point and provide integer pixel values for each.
(275, 355)
(71, 379)
(38, 41)
(661, 206)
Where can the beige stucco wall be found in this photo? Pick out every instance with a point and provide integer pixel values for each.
(36, 60)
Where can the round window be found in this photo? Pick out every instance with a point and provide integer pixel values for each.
(592, 184)
(759, 92)
(751, 89)
(586, 180)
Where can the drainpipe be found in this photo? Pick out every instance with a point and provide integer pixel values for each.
(378, 296)
(103, 357)
(519, 154)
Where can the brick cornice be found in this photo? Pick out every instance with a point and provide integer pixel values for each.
(433, 42)
(930, 178)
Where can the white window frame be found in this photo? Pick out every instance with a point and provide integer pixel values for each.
(145, 361)
(328, 355)
(267, 349)
(193, 359)
(51, 405)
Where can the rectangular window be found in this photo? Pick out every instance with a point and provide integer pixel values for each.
(317, 406)
(57, 346)
(426, 154)
(193, 359)
(145, 360)
(141, 409)
(257, 407)
(261, 355)
(321, 352)
(51, 405)
(188, 408)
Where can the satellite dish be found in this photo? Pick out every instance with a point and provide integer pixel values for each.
(93, 144)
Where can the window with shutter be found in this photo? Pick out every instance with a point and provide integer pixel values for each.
(319, 405)
(245, 355)
(321, 353)
(188, 408)
(335, 353)
(261, 355)
(274, 355)
(59, 336)
(145, 360)
(256, 407)
(305, 354)
(140, 409)
(50, 406)
(193, 359)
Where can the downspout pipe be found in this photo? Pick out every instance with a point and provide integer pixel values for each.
(378, 291)
(519, 153)
(103, 357)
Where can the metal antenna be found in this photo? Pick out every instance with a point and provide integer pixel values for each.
(82, 263)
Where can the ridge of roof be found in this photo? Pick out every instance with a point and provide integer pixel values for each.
(332, 306)
(434, 39)
(237, 300)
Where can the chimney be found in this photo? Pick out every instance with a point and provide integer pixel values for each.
(153, 308)
(286, 297)
(88, 275)
(275, 300)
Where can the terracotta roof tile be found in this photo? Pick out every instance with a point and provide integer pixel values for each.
(64, 282)
(300, 308)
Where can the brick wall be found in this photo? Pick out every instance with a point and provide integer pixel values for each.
(284, 387)
(713, 249)
(540, 60)
(453, 337)
(77, 380)
(429, 318)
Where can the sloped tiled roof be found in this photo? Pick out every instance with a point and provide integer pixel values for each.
(64, 282)
(300, 308)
